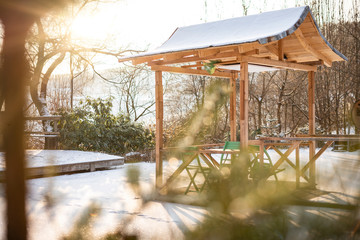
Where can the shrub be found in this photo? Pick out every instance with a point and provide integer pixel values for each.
(92, 127)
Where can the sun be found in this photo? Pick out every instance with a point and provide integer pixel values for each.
(86, 28)
(91, 27)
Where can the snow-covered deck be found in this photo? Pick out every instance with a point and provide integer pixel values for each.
(45, 162)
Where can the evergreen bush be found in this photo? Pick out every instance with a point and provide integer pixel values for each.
(92, 127)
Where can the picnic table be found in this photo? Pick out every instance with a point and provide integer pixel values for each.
(205, 153)
(283, 146)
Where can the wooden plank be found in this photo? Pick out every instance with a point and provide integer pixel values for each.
(186, 162)
(285, 158)
(208, 155)
(311, 102)
(310, 138)
(285, 155)
(206, 160)
(144, 59)
(196, 58)
(174, 56)
(40, 118)
(251, 52)
(297, 170)
(190, 71)
(233, 107)
(307, 46)
(261, 154)
(278, 64)
(246, 47)
(159, 127)
(316, 156)
(217, 54)
(43, 133)
(273, 49)
(208, 52)
(314, 63)
(244, 104)
(281, 50)
(197, 65)
(140, 60)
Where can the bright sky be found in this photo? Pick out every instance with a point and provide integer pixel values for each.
(149, 23)
(146, 24)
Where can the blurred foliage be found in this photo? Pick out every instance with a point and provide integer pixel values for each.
(241, 206)
(243, 209)
(92, 127)
(210, 67)
(82, 229)
(201, 125)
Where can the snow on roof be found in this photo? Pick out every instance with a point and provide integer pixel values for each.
(263, 28)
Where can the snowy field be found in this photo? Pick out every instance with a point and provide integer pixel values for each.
(55, 203)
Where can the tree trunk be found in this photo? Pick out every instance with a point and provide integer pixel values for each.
(16, 25)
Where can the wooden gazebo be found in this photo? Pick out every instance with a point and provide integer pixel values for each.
(283, 39)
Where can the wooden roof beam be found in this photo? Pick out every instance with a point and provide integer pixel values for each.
(276, 63)
(307, 46)
(281, 50)
(314, 63)
(140, 60)
(191, 71)
(272, 49)
(199, 64)
(215, 56)
(195, 58)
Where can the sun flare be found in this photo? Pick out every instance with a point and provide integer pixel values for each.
(87, 28)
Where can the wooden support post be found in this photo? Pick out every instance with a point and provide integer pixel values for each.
(298, 172)
(233, 107)
(261, 154)
(159, 127)
(311, 100)
(244, 104)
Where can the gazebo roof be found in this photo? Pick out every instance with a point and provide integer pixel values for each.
(289, 35)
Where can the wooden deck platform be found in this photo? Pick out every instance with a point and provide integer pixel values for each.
(47, 163)
(91, 166)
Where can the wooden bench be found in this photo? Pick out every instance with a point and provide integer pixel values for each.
(51, 138)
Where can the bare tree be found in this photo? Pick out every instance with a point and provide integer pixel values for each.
(50, 45)
(133, 83)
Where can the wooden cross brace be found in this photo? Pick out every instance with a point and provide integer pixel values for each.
(285, 156)
(316, 156)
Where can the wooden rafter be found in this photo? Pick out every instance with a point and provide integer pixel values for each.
(273, 49)
(196, 58)
(275, 63)
(191, 71)
(307, 46)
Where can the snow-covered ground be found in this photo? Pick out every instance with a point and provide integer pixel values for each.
(55, 203)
